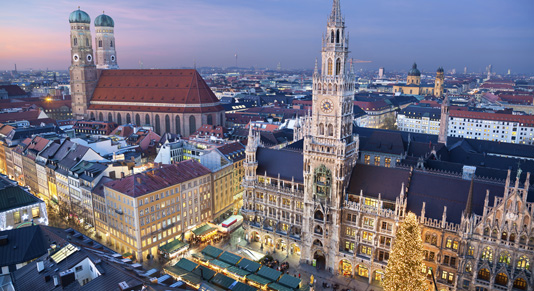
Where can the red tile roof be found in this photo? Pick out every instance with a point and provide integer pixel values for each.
(17, 116)
(372, 106)
(159, 178)
(183, 87)
(517, 99)
(525, 119)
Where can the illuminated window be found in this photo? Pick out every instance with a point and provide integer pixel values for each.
(377, 161)
(387, 162)
(330, 65)
(367, 159)
(35, 212)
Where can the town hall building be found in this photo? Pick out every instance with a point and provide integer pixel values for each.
(312, 199)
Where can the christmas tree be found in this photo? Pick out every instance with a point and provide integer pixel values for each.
(405, 265)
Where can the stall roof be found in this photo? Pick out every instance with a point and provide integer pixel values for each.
(220, 264)
(289, 281)
(279, 287)
(212, 251)
(269, 273)
(186, 264)
(242, 287)
(249, 265)
(206, 273)
(202, 257)
(230, 258)
(258, 279)
(173, 246)
(204, 229)
(238, 271)
(222, 281)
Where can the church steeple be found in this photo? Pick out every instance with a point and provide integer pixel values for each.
(336, 12)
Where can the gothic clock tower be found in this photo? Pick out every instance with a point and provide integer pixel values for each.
(83, 75)
(330, 152)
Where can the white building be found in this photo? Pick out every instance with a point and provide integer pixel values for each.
(419, 119)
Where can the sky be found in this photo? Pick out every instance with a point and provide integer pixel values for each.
(173, 34)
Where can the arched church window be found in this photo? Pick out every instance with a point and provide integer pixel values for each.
(111, 44)
(100, 116)
(137, 120)
(86, 41)
(147, 119)
(167, 123)
(210, 119)
(110, 117)
(75, 41)
(128, 118)
(330, 130)
(100, 43)
(119, 118)
(321, 129)
(332, 37)
(158, 124)
(178, 127)
(322, 181)
(330, 65)
(337, 36)
(192, 124)
(338, 66)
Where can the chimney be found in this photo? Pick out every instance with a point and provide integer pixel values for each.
(138, 180)
(40, 266)
(122, 174)
(56, 281)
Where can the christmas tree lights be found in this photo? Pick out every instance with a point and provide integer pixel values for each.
(405, 265)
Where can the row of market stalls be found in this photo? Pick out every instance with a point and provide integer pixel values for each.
(203, 233)
(227, 270)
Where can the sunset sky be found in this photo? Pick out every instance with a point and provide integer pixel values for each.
(172, 34)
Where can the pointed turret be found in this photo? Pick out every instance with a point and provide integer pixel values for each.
(444, 121)
(336, 12)
(469, 204)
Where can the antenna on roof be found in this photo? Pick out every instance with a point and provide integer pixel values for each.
(140, 64)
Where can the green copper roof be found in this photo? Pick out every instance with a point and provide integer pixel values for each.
(414, 71)
(104, 20)
(79, 16)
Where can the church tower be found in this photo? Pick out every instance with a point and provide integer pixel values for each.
(414, 76)
(444, 122)
(105, 54)
(82, 69)
(438, 85)
(330, 149)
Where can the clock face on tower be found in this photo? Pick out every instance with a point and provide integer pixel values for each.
(75, 57)
(327, 106)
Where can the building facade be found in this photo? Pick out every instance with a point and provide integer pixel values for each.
(315, 202)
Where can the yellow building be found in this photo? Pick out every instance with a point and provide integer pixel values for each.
(150, 209)
(235, 152)
(414, 86)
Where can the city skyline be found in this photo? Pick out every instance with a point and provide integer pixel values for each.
(265, 33)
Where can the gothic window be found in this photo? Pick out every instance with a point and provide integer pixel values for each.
(100, 43)
(332, 36)
(338, 66)
(92, 116)
(504, 235)
(192, 124)
(322, 181)
(110, 117)
(318, 230)
(137, 120)
(321, 129)
(494, 233)
(75, 41)
(520, 284)
(128, 118)
(484, 274)
(487, 254)
(119, 118)
(86, 41)
(512, 237)
(468, 268)
(501, 279)
(178, 127)
(111, 44)
(147, 119)
(523, 239)
(486, 231)
(167, 123)
(337, 36)
(158, 124)
(330, 130)
(434, 240)
(100, 116)
(504, 258)
(210, 119)
(330, 65)
(523, 263)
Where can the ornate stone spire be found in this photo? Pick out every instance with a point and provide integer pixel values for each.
(469, 204)
(336, 12)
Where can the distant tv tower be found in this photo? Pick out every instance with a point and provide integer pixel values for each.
(465, 70)
(140, 64)
(236, 60)
(279, 66)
